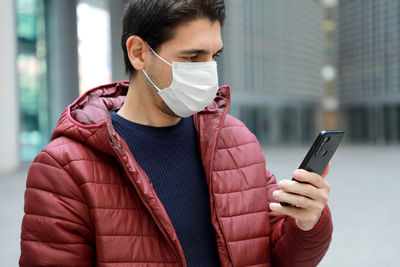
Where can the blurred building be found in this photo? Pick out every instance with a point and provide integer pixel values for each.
(273, 55)
(369, 69)
(46, 64)
(272, 59)
(330, 103)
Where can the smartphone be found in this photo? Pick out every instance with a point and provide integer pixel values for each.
(320, 153)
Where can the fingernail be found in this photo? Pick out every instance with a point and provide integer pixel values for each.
(282, 182)
(275, 193)
(274, 206)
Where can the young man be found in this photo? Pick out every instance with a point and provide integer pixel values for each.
(154, 172)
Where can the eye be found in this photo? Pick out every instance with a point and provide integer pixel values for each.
(216, 56)
(191, 58)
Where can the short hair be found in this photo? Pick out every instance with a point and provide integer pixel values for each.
(155, 20)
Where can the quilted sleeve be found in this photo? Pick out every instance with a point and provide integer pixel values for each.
(56, 228)
(290, 245)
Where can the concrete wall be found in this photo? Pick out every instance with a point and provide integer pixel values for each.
(116, 8)
(9, 116)
(63, 56)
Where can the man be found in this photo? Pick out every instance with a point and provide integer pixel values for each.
(154, 172)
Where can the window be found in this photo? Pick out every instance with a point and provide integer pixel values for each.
(32, 78)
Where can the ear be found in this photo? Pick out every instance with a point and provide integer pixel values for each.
(137, 50)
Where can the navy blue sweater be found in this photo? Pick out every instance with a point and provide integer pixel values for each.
(170, 157)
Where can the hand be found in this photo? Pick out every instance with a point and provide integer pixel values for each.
(309, 199)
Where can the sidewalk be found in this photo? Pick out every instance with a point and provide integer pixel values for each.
(12, 187)
(364, 203)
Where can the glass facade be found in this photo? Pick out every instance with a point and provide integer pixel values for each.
(41, 62)
(369, 69)
(32, 79)
(273, 55)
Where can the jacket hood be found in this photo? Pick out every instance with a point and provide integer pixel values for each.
(88, 119)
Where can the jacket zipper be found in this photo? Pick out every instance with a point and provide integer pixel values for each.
(210, 174)
(155, 219)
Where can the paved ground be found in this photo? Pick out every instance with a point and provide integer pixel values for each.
(12, 188)
(364, 202)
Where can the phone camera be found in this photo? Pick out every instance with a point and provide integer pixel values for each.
(322, 145)
(326, 139)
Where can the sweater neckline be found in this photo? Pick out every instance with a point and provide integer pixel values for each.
(146, 128)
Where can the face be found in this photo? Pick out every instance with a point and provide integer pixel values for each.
(195, 41)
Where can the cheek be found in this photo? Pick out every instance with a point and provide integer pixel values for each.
(162, 74)
(167, 75)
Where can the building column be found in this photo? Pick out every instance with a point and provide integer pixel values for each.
(116, 9)
(394, 121)
(63, 56)
(298, 123)
(9, 118)
(275, 125)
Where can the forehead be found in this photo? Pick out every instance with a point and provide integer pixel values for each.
(197, 34)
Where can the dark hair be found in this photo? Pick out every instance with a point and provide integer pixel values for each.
(155, 20)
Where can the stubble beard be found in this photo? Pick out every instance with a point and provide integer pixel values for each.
(157, 100)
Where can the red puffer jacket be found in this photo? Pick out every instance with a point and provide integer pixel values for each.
(88, 202)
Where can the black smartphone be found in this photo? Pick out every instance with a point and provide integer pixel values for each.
(320, 153)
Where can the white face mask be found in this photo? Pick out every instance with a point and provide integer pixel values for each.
(194, 86)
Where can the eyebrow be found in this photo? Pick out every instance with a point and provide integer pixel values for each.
(199, 51)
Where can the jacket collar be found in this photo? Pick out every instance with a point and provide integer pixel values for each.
(88, 118)
(209, 123)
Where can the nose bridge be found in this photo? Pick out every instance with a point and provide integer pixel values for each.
(209, 58)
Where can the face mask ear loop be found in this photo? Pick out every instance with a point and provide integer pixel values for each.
(157, 55)
(148, 78)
